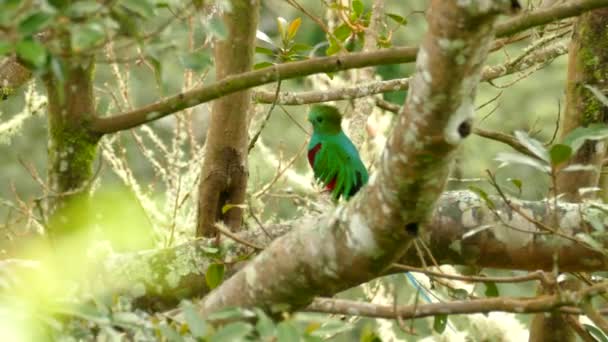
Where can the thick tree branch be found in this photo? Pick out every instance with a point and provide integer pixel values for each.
(317, 65)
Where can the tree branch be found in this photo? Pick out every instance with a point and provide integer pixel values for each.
(247, 80)
(514, 305)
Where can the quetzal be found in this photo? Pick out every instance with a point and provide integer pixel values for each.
(332, 156)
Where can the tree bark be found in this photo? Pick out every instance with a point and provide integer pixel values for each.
(224, 175)
(587, 65)
(72, 146)
(359, 240)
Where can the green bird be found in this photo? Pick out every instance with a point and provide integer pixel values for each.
(332, 156)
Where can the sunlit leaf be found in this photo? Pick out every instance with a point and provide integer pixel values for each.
(397, 18)
(577, 137)
(357, 8)
(440, 322)
(579, 167)
(281, 25)
(262, 65)
(230, 314)
(229, 206)
(560, 153)
(491, 289)
(5, 47)
(342, 32)
(293, 28)
(264, 325)
(600, 96)
(263, 37)
(533, 145)
(508, 158)
(196, 323)
(287, 332)
(169, 333)
(232, 332)
(333, 48)
(214, 275)
(597, 333)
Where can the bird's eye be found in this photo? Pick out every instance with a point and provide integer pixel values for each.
(319, 119)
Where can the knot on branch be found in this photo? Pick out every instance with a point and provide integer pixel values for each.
(485, 7)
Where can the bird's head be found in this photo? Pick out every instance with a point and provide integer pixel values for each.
(325, 119)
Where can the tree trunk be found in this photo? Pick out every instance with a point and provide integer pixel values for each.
(587, 65)
(72, 146)
(224, 174)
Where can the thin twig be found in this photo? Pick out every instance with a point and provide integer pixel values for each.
(220, 228)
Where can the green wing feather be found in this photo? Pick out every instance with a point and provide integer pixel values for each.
(331, 162)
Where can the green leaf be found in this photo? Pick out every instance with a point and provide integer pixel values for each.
(196, 61)
(230, 314)
(236, 331)
(229, 206)
(281, 23)
(507, 158)
(264, 325)
(83, 8)
(5, 48)
(517, 182)
(34, 23)
(333, 48)
(264, 51)
(484, 196)
(169, 333)
(293, 28)
(144, 8)
(439, 323)
(262, 65)
(533, 145)
(597, 333)
(300, 47)
(397, 18)
(603, 99)
(357, 8)
(491, 289)
(577, 137)
(560, 153)
(342, 32)
(31, 52)
(86, 36)
(287, 332)
(214, 275)
(196, 323)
